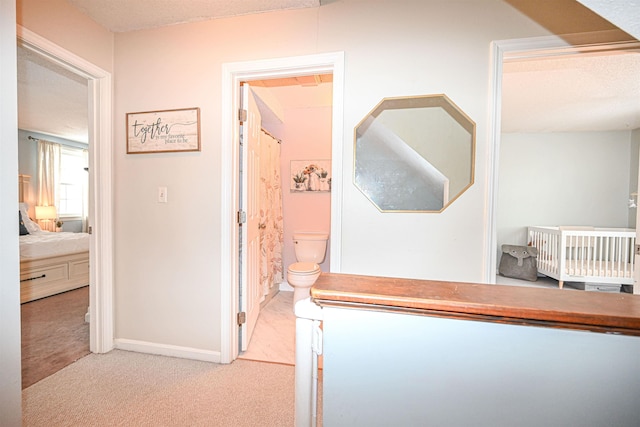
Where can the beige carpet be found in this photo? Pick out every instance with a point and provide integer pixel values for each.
(123, 388)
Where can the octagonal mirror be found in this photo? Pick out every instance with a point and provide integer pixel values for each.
(414, 154)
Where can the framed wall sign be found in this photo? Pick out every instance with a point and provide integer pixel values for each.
(163, 131)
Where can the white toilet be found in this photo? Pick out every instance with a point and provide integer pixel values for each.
(310, 251)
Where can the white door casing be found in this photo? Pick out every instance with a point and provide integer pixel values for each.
(250, 289)
(100, 183)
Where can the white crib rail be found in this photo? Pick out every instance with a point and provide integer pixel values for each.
(546, 241)
(588, 255)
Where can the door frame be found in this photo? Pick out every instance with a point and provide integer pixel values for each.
(529, 48)
(100, 183)
(232, 75)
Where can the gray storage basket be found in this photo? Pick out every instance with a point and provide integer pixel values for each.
(519, 262)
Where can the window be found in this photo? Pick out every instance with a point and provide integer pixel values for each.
(72, 183)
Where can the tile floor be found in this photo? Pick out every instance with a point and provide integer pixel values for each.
(273, 339)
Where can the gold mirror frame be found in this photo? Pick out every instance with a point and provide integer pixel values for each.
(414, 154)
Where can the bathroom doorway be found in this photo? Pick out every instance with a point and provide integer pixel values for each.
(233, 75)
(286, 137)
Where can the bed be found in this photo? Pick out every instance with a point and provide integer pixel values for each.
(50, 262)
(585, 254)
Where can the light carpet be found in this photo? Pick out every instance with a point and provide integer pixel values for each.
(124, 388)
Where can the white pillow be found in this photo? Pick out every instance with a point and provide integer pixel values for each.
(31, 226)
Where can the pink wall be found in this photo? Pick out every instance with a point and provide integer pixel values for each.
(307, 136)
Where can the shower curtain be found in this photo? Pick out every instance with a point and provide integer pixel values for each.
(271, 221)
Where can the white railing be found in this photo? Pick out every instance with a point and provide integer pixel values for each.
(308, 349)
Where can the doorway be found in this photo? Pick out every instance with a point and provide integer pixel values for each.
(529, 51)
(100, 183)
(233, 75)
(288, 119)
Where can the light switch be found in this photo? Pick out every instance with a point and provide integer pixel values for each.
(162, 194)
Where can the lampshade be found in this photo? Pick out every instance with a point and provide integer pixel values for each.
(46, 212)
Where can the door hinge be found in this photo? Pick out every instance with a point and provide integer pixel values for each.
(637, 249)
(242, 115)
(90, 230)
(242, 318)
(242, 217)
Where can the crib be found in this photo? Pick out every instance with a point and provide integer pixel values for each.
(585, 254)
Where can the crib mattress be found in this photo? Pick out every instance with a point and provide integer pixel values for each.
(44, 244)
(592, 269)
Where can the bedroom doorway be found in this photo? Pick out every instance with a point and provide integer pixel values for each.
(233, 75)
(100, 177)
(534, 56)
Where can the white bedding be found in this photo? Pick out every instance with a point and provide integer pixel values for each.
(42, 244)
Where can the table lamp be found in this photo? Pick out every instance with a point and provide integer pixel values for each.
(47, 215)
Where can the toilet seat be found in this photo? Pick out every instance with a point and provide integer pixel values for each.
(304, 268)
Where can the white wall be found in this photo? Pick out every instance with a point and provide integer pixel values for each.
(10, 380)
(27, 155)
(634, 167)
(388, 369)
(562, 179)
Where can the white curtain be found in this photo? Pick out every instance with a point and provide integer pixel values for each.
(48, 172)
(85, 193)
(272, 234)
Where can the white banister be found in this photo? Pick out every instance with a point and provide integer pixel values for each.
(308, 348)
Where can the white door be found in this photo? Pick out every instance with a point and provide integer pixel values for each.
(250, 289)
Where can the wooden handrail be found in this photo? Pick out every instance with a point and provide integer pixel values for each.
(598, 312)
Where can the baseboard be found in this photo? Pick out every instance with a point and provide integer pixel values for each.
(167, 350)
(284, 286)
(267, 298)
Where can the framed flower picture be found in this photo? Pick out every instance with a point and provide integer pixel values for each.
(310, 176)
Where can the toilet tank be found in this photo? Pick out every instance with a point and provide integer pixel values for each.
(310, 247)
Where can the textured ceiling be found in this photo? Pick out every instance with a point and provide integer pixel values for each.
(625, 14)
(130, 15)
(572, 93)
(51, 100)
